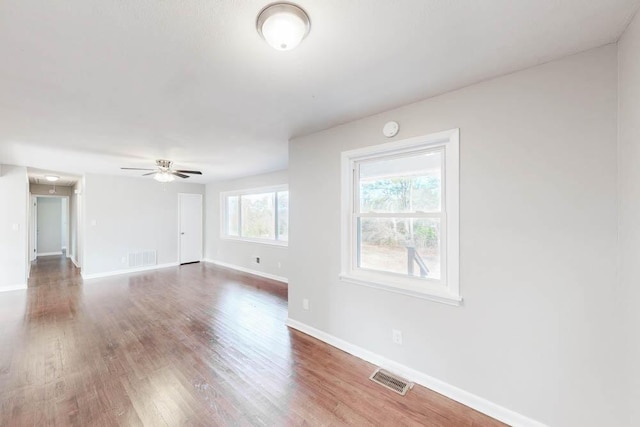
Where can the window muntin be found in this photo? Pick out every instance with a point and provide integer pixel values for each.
(260, 215)
(400, 216)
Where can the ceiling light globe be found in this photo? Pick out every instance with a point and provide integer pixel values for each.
(164, 177)
(283, 26)
(51, 178)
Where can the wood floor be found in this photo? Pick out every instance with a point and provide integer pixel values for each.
(195, 345)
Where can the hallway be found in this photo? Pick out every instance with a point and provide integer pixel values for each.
(53, 270)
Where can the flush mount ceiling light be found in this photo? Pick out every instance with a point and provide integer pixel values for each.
(51, 178)
(283, 25)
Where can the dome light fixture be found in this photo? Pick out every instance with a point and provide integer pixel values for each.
(283, 25)
(51, 178)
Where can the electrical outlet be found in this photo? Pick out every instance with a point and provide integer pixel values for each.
(279, 265)
(396, 336)
(305, 304)
(257, 260)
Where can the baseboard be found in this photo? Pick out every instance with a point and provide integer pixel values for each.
(73, 260)
(19, 287)
(48, 253)
(248, 270)
(466, 398)
(127, 271)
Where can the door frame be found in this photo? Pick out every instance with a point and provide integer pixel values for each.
(65, 199)
(180, 195)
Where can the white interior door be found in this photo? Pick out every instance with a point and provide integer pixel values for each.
(49, 226)
(190, 208)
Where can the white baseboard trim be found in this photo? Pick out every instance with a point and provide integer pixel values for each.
(48, 253)
(127, 271)
(248, 270)
(18, 287)
(73, 260)
(466, 398)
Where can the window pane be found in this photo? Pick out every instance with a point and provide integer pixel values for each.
(258, 216)
(408, 246)
(402, 184)
(283, 216)
(232, 216)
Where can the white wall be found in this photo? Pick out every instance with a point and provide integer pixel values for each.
(123, 215)
(49, 225)
(273, 259)
(536, 332)
(14, 199)
(629, 191)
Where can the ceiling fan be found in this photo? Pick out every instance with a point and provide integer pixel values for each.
(164, 172)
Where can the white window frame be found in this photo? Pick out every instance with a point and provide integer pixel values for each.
(224, 196)
(447, 288)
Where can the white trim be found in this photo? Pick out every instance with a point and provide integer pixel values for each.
(9, 288)
(48, 253)
(281, 243)
(127, 271)
(437, 295)
(449, 142)
(248, 270)
(462, 396)
(256, 190)
(73, 260)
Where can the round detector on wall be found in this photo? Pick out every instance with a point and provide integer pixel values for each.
(390, 129)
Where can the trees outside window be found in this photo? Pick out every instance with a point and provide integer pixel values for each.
(257, 215)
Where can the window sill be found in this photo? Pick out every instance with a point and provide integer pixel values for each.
(435, 295)
(256, 241)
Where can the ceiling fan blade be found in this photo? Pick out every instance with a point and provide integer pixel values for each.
(150, 173)
(176, 173)
(137, 169)
(193, 172)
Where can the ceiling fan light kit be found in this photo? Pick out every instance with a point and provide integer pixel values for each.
(164, 176)
(164, 171)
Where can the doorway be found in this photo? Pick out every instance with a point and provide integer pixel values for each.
(190, 227)
(51, 226)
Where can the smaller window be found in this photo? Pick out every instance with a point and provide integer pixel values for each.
(259, 215)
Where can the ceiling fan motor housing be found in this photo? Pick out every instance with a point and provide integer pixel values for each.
(164, 163)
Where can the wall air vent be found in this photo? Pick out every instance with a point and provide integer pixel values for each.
(149, 257)
(391, 381)
(142, 258)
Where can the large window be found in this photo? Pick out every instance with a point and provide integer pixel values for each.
(260, 215)
(400, 228)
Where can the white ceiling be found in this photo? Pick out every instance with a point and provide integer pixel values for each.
(92, 85)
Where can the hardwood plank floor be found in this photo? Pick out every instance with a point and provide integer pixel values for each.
(196, 345)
